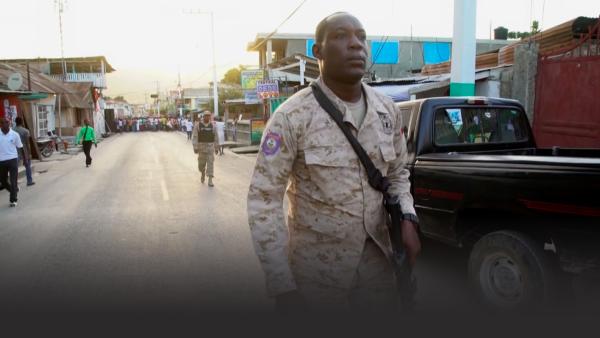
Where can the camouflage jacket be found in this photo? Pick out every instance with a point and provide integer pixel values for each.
(332, 207)
(197, 144)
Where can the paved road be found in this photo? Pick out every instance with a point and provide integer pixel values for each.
(137, 230)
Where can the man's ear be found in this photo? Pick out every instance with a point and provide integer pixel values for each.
(316, 50)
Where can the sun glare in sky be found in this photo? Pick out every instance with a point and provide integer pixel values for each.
(150, 41)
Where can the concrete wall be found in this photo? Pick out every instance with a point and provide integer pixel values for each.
(506, 78)
(407, 62)
(524, 73)
(389, 71)
(295, 46)
(483, 47)
(489, 88)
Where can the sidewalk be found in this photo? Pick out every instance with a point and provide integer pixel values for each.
(245, 150)
(41, 166)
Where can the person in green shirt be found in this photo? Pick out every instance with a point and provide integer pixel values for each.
(87, 136)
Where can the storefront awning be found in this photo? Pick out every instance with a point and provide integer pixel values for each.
(33, 96)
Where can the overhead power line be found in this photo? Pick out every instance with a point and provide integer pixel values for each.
(281, 24)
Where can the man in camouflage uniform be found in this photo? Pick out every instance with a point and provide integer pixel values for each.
(204, 140)
(334, 249)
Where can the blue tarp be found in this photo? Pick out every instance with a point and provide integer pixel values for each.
(309, 45)
(385, 52)
(436, 52)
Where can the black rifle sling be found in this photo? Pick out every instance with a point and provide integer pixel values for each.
(376, 179)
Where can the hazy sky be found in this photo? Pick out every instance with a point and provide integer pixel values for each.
(149, 41)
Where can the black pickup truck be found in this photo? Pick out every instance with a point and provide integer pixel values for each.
(530, 217)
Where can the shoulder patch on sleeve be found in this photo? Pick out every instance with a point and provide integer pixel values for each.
(386, 122)
(272, 143)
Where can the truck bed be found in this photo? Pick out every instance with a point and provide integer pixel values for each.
(581, 158)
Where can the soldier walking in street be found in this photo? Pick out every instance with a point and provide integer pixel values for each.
(10, 144)
(335, 249)
(25, 151)
(87, 136)
(204, 140)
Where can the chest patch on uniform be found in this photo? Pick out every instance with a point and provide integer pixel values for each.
(272, 144)
(386, 123)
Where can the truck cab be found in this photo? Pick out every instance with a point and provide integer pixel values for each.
(527, 215)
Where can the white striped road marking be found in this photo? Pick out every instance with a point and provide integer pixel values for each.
(165, 192)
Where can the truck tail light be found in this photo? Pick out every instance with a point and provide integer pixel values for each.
(477, 100)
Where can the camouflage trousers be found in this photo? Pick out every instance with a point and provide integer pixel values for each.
(206, 158)
(373, 287)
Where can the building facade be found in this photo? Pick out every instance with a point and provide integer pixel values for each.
(389, 57)
(84, 77)
(195, 99)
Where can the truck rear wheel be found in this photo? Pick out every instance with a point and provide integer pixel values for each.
(509, 270)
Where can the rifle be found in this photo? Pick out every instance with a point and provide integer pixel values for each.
(405, 280)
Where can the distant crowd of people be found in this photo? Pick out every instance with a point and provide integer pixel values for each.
(135, 124)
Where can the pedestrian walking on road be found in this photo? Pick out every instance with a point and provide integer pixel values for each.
(10, 143)
(220, 125)
(204, 140)
(189, 128)
(333, 252)
(87, 136)
(25, 153)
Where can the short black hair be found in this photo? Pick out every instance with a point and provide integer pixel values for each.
(19, 120)
(322, 26)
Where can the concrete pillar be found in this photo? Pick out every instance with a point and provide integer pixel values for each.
(524, 74)
(462, 77)
(506, 78)
(269, 52)
(302, 70)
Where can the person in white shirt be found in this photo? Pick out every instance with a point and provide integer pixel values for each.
(189, 127)
(220, 134)
(10, 142)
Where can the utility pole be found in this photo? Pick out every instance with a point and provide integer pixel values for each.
(61, 8)
(158, 98)
(179, 94)
(462, 76)
(215, 84)
(214, 62)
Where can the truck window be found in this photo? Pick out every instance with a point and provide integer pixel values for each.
(479, 125)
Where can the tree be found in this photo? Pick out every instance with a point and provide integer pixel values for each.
(233, 76)
(226, 92)
(535, 28)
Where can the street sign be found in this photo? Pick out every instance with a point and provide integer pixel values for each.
(250, 77)
(154, 96)
(267, 89)
(250, 97)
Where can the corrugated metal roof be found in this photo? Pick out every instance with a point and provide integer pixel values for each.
(74, 95)
(107, 67)
(557, 37)
(553, 38)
